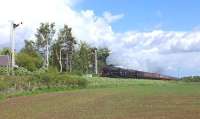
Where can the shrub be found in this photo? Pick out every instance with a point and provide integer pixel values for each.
(3, 70)
(29, 61)
(51, 79)
(72, 80)
(191, 79)
(16, 83)
(21, 71)
(48, 79)
(40, 71)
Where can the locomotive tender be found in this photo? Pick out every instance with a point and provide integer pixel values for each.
(115, 72)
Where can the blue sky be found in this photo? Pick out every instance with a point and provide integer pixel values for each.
(146, 15)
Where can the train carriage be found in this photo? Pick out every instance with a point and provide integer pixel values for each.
(115, 72)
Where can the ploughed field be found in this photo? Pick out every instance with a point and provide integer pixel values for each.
(113, 99)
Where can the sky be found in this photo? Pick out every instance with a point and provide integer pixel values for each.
(149, 35)
(146, 15)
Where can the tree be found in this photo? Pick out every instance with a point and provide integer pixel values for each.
(48, 31)
(5, 51)
(65, 44)
(29, 62)
(44, 35)
(85, 57)
(28, 57)
(55, 55)
(102, 54)
(29, 48)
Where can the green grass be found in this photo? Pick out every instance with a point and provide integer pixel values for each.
(106, 98)
(102, 82)
(99, 82)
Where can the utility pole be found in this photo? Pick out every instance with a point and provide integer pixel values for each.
(12, 40)
(12, 47)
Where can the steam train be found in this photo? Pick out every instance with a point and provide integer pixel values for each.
(115, 72)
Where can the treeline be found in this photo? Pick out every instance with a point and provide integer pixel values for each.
(68, 59)
(191, 79)
(66, 54)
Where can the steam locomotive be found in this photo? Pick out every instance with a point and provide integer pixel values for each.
(115, 72)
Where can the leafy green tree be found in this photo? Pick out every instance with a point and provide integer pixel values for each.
(102, 54)
(48, 31)
(29, 58)
(69, 41)
(55, 55)
(29, 48)
(85, 57)
(5, 51)
(64, 43)
(28, 61)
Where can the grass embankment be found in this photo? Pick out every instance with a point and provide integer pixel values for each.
(68, 82)
(25, 85)
(110, 99)
(12, 86)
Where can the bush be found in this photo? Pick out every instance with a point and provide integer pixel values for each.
(48, 79)
(72, 81)
(16, 83)
(40, 71)
(31, 62)
(51, 80)
(21, 71)
(3, 70)
(191, 79)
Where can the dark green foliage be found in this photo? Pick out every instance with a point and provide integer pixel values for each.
(40, 71)
(48, 31)
(48, 78)
(84, 58)
(55, 55)
(39, 81)
(16, 83)
(64, 43)
(29, 58)
(103, 53)
(5, 51)
(30, 62)
(29, 48)
(3, 70)
(21, 71)
(191, 79)
(71, 81)
(53, 80)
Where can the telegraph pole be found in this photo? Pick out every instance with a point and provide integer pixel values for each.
(12, 47)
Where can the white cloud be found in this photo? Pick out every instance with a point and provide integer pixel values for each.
(111, 18)
(157, 51)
